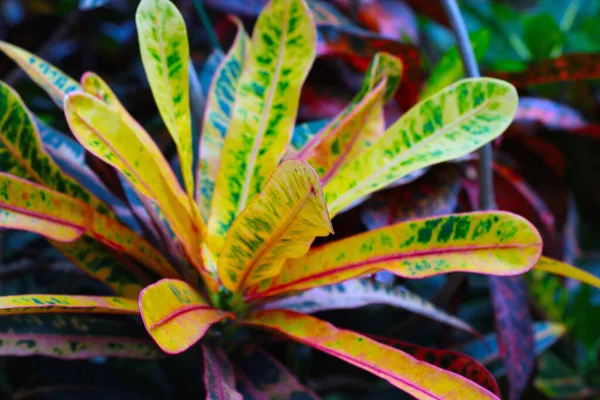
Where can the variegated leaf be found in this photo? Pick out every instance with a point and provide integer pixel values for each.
(48, 303)
(219, 380)
(448, 125)
(494, 243)
(217, 115)
(279, 224)
(281, 53)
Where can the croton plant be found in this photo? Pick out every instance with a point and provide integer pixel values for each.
(229, 251)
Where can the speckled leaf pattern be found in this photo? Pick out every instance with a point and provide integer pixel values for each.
(450, 124)
(281, 53)
(55, 82)
(45, 303)
(419, 379)
(360, 124)
(494, 243)
(165, 54)
(279, 224)
(175, 315)
(303, 133)
(363, 292)
(25, 202)
(514, 328)
(259, 376)
(568, 271)
(217, 115)
(219, 380)
(102, 131)
(30, 207)
(486, 350)
(20, 137)
(73, 337)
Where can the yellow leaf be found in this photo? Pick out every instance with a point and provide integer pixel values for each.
(279, 224)
(282, 51)
(568, 271)
(175, 315)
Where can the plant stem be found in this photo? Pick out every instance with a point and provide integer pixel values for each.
(486, 183)
(212, 37)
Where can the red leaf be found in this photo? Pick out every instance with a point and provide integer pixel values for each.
(570, 67)
(514, 329)
(219, 380)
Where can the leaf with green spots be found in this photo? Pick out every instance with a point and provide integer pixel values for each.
(259, 376)
(303, 133)
(282, 51)
(360, 124)
(50, 303)
(32, 207)
(449, 68)
(219, 107)
(175, 315)
(360, 293)
(219, 380)
(104, 132)
(494, 243)
(73, 337)
(165, 54)
(547, 292)
(568, 271)
(55, 82)
(417, 378)
(278, 224)
(448, 125)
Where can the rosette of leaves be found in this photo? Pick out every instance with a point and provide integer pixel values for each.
(229, 249)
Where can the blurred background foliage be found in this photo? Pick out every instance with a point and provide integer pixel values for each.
(547, 169)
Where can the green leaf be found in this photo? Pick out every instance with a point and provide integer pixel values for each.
(542, 35)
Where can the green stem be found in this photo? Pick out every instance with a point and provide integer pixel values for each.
(212, 37)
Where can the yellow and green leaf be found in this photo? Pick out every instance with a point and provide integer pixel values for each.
(51, 303)
(22, 155)
(103, 131)
(568, 271)
(278, 224)
(282, 51)
(219, 107)
(417, 378)
(493, 243)
(165, 54)
(55, 82)
(450, 124)
(175, 315)
(358, 125)
(73, 337)
(64, 218)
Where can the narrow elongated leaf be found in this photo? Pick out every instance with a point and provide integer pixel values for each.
(73, 337)
(281, 54)
(219, 380)
(568, 271)
(102, 131)
(569, 67)
(303, 133)
(280, 223)
(495, 243)
(260, 376)
(360, 124)
(165, 54)
(487, 351)
(448, 125)
(515, 334)
(21, 154)
(217, 116)
(449, 68)
(55, 82)
(175, 315)
(451, 361)
(363, 292)
(419, 379)
(24, 202)
(94, 85)
(45, 303)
